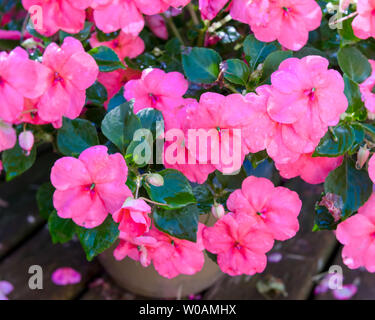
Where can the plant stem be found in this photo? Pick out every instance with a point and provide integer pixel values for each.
(153, 202)
(344, 18)
(193, 14)
(219, 24)
(174, 29)
(230, 87)
(24, 25)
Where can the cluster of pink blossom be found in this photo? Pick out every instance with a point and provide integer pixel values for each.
(363, 24)
(288, 21)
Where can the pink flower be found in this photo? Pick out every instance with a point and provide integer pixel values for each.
(157, 89)
(293, 114)
(366, 90)
(8, 136)
(157, 25)
(313, 170)
(139, 248)
(66, 276)
(254, 13)
(210, 8)
(89, 187)
(5, 289)
(124, 45)
(371, 168)
(239, 243)
(172, 256)
(66, 15)
(115, 80)
(133, 217)
(276, 209)
(363, 24)
(357, 234)
(10, 35)
(19, 78)
(71, 72)
(26, 141)
(288, 21)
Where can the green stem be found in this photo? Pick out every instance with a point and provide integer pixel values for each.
(193, 14)
(230, 87)
(174, 29)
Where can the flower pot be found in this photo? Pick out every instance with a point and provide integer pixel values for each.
(132, 276)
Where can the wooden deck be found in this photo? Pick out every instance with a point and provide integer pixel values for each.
(25, 241)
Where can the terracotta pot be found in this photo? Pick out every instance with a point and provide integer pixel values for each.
(132, 276)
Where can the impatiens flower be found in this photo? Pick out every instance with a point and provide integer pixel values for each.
(133, 217)
(5, 289)
(239, 244)
(158, 26)
(371, 168)
(210, 8)
(8, 136)
(20, 78)
(172, 256)
(357, 234)
(293, 114)
(157, 89)
(71, 72)
(26, 141)
(288, 21)
(366, 88)
(124, 45)
(115, 80)
(139, 248)
(90, 187)
(66, 276)
(313, 170)
(364, 24)
(66, 15)
(276, 209)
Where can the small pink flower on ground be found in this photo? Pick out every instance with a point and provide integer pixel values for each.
(5, 289)
(239, 244)
(363, 24)
(8, 136)
(371, 168)
(71, 72)
(133, 217)
(357, 234)
(366, 89)
(157, 89)
(275, 257)
(90, 187)
(346, 293)
(158, 26)
(66, 15)
(139, 249)
(172, 256)
(275, 209)
(124, 45)
(313, 170)
(66, 276)
(20, 78)
(288, 21)
(26, 141)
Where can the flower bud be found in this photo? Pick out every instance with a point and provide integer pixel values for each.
(155, 179)
(218, 211)
(26, 141)
(362, 157)
(158, 26)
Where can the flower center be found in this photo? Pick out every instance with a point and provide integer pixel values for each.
(154, 100)
(286, 11)
(310, 93)
(237, 245)
(1, 81)
(57, 77)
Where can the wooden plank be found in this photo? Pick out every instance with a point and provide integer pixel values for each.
(39, 250)
(364, 280)
(302, 257)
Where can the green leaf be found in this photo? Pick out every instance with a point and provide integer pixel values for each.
(120, 124)
(204, 197)
(106, 59)
(176, 191)
(272, 63)
(76, 136)
(354, 64)
(354, 186)
(61, 230)
(152, 120)
(236, 71)
(324, 220)
(336, 143)
(97, 94)
(201, 65)
(95, 241)
(44, 197)
(16, 162)
(354, 96)
(256, 51)
(116, 100)
(257, 158)
(103, 37)
(81, 36)
(212, 256)
(346, 32)
(180, 223)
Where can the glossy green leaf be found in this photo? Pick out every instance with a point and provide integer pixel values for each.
(236, 71)
(61, 230)
(44, 197)
(354, 64)
(97, 94)
(106, 59)
(76, 136)
(272, 63)
(256, 51)
(204, 197)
